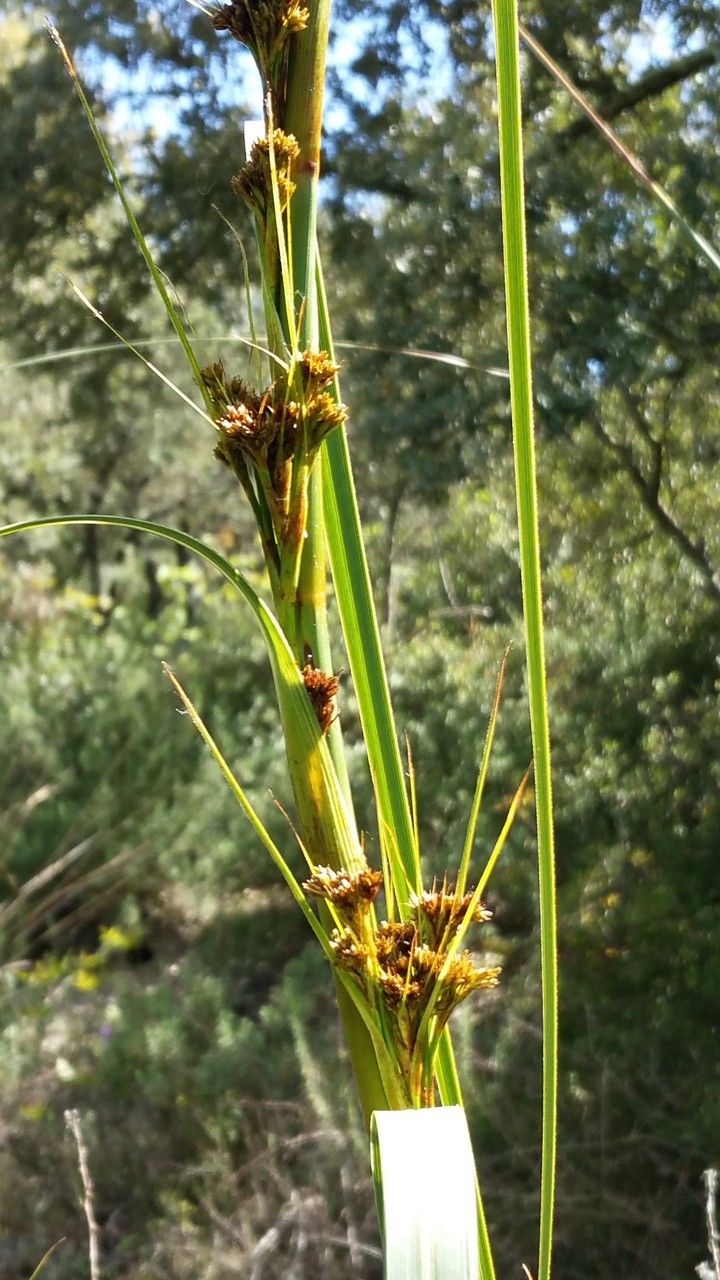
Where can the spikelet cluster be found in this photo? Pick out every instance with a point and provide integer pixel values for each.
(264, 26)
(403, 965)
(254, 181)
(322, 689)
(265, 428)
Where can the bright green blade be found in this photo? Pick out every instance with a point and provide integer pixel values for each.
(46, 1257)
(362, 642)
(481, 780)
(635, 165)
(518, 327)
(424, 1175)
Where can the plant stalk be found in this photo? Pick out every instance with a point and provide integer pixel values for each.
(518, 327)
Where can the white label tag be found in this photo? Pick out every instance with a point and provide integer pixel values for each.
(252, 130)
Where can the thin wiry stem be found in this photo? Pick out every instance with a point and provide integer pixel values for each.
(72, 1120)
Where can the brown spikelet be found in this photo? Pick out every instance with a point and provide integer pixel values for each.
(442, 911)
(322, 690)
(397, 989)
(348, 952)
(462, 978)
(323, 413)
(254, 181)
(317, 369)
(344, 889)
(263, 25)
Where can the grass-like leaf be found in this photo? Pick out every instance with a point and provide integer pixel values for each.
(481, 780)
(505, 21)
(409, 353)
(636, 166)
(155, 272)
(251, 814)
(46, 1257)
(362, 640)
(326, 819)
(135, 351)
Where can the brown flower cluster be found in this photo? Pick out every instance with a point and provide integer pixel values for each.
(403, 965)
(350, 893)
(254, 181)
(442, 911)
(253, 428)
(322, 691)
(317, 370)
(265, 429)
(263, 25)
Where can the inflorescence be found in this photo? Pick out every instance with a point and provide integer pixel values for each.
(264, 430)
(265, 27)
(254, 181)
(407, 966)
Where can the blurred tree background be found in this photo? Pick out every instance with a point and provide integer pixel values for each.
(153, 974)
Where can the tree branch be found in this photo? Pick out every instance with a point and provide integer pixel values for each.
(655, 82)
(648, 489)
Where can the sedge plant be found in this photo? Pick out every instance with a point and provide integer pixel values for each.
(401, 971)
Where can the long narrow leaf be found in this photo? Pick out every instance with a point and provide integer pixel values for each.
(135, 351)
(362, 636)
(480, 786)
(46, 1257)
(410, 353)
(306, 747)
(518, 326)
(251, 814)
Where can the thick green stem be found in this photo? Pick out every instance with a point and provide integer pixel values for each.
(307, 614)
(303, 118)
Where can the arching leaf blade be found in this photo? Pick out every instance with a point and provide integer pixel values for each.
(326, 819)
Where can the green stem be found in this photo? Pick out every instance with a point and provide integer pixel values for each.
(303, 118)
(518, 327)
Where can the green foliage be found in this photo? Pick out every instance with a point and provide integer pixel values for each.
(624, 319)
